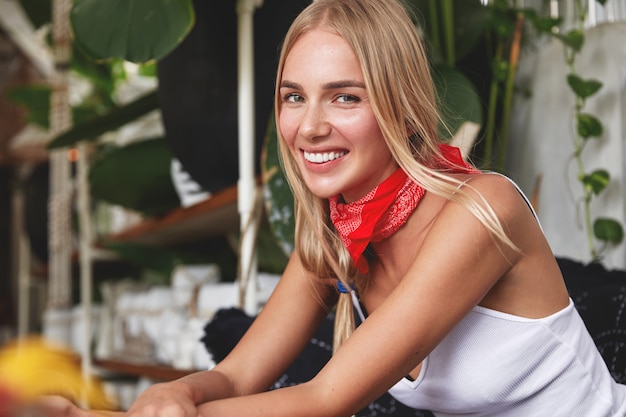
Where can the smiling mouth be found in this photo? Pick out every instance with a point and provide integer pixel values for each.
(321, 157)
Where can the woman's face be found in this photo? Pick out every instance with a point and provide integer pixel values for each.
(326, 119)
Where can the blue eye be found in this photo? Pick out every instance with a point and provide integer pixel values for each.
(347, 98)
(293, 98)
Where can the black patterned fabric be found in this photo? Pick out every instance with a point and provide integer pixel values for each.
(599, 295)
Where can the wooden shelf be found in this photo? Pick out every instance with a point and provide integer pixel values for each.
(152, 371)
(214, 216)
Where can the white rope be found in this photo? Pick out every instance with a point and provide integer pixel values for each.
(61, 188)
(246, 268)
(246, 189)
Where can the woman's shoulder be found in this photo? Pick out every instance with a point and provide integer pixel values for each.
(475, 192)
(487, 180)
(488, 199)
(498, 192)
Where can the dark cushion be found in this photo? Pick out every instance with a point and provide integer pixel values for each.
(600, 297)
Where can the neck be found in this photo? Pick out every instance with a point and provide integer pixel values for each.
(348, 198)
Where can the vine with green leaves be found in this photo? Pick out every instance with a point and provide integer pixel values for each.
(587, 127)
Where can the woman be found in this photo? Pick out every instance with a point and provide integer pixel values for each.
(467, 312)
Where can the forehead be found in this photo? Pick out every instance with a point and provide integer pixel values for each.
(319, 50)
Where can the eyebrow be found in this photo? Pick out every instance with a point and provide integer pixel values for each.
(328, 86)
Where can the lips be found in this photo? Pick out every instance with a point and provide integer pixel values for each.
(321, 157)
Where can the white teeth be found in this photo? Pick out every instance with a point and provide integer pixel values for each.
(318, 158)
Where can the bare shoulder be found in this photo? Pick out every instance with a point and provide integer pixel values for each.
(500, 194)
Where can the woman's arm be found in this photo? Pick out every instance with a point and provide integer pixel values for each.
(285, 325)
(457, 265)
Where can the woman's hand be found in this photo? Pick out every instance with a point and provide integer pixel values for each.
(172, 399)
(57, 406)
(161, 400)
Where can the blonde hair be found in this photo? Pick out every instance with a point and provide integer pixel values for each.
(401, 92)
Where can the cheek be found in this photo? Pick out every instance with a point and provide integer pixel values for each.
(364, 131)
(287, 129)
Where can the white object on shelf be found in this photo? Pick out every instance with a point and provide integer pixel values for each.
(188, 190)
(57, 325)
(191, 353)
(213, 297)
(78, 338)
(188, 278)
(111, 292)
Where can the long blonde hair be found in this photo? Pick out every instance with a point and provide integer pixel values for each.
(401, 92)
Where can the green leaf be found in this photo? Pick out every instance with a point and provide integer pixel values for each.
(459, 101)
(149, 69)
(583, 88)
(134, 30)
(136, 176)
(117, 118)
(502, 20)
(602, 2)
(573, 39)
(596, 181)
(588, 125)
(278, 196)
(36, 99)
(500, 68)
(100, 74)
(608, 230)
(540, 23)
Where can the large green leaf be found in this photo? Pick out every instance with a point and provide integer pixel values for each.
(136, 176)
(278, 196)
(134, 30)
(93, 128)
(459, 101)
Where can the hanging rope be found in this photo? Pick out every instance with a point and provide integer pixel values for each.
(59, 204)
(246, 267)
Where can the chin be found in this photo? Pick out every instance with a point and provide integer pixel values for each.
(323, 192)
(323, 195)
(321, 189)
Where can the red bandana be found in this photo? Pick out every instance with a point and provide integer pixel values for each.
(381, 212)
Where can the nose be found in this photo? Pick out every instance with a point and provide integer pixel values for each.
(314, 123)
